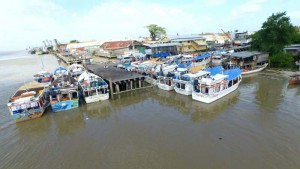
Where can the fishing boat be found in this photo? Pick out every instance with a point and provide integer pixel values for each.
(250, 62)
(210, 88)
(184, 83)
(59, 72)
(64, 93)
(92, 87)
(165, 82)
(76, 70)
(43, 77)
(202, 59)
(295, 79)
(29, 102)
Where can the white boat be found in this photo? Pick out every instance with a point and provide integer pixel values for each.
(184, 83)
(255, 69)
(165, 83)
(168, 68)
(29, 102)
(210, 88)
(92, 87)
(76, 70)
(203, 59)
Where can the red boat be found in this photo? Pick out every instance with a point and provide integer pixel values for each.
(295, 79)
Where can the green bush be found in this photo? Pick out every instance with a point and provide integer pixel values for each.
(282, 60)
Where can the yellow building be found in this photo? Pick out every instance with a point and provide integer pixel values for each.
(189, 43)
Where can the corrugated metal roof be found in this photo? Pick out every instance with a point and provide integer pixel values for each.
(185, 37)
(84, 44)
(116, 45)
(245, 54)
(161, 45)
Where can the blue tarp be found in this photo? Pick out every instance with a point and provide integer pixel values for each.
(185, 65)
(203, 55)
(165, 54)
(232, 73)
(214, 70)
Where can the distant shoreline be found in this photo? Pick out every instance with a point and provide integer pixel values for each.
(11, 52)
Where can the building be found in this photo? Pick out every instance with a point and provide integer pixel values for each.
(118, 48)
(90, 46)
(242, 38)
(161, 49)
(293, 49)
(193, 43)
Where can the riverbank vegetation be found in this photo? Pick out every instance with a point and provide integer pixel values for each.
(276, 33)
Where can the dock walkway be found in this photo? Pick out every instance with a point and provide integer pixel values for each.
(119, 80)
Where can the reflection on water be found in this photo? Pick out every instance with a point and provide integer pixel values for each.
(269, 96)
(196, 110)
(99, 110)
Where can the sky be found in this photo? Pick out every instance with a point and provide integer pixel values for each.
(26, 23)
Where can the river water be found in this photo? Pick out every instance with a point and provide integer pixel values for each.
(257, 126)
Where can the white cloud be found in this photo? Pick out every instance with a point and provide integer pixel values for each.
(29, 22)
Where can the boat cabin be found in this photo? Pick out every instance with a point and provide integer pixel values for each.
(249, 60)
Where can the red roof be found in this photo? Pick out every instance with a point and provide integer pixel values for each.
(112, 45)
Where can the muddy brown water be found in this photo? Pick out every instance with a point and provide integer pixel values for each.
(257, 126)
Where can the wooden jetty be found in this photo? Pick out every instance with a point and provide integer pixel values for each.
(119, 80)
(71, 59)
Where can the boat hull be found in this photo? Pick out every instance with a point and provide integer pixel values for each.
(64, 105)
(96, 98)
(165, 87)
(209, 99)
(27, 116)
(245, 72)
(183, 91)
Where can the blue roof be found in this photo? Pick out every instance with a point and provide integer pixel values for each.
(188, 64)
(232, 73)
(164, 54)
(203, 55)
(214, 70)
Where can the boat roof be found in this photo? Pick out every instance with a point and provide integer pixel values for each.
(31, 85)
(75, 66)
(232, 73)
(186, 65)
(195, 69)
(59, 69)
(28, 87)
(245, 54)
(219, 77)
(214, 70)
(64, 78)
(87, 76)
(204, 55)
(201, 73)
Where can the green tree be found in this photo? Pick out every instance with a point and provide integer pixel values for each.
(283, 60)
(274, 34)
(74, 41)
(156, 31)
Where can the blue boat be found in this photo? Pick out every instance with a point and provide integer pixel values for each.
(64, 93)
